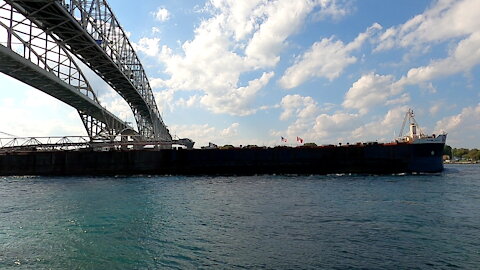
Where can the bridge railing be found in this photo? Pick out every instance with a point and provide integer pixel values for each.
(65, 142)
(51, 143)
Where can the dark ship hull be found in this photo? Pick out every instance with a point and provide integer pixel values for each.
(372, 158)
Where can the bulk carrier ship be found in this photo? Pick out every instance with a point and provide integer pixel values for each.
(413, 153)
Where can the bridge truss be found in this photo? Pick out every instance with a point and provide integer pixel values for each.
(32, 56)
(76, 143)
(38, 40)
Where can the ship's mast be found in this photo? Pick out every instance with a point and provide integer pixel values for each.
(412, 124)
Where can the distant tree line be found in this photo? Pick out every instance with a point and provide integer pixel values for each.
(462, 153)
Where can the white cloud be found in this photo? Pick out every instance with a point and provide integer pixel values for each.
(200, 134)
(404, 98)
(189, 102)
(346, 127)
(49, 117)
(210, 67)
(439, 106)
(118, 106)
(157, 83)
(36, 99)
(332, 9)
(428, 87)
(207, 63)
(149, 46)
(203, 134)
(312, 125)
(164, 100)
(444, 20)
(302, 107)
(334, 127)
(239, 16)
(303, 110)
(240, 37)
(236, 101)
(232, 130)
(162, 14)
(340, 126)
(462, 128)
(326, 58)
(384, 129)
(465, 56)
(370, 90)
(283, 18)
(302, 128)
(155, 30)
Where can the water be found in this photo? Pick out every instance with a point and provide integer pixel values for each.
(260, 222)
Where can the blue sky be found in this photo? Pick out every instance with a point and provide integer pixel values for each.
(250, 72)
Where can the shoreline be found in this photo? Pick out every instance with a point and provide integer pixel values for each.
(462, 162)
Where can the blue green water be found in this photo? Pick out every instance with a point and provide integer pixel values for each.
(257, 222)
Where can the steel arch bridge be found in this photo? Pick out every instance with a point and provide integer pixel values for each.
(39, 42)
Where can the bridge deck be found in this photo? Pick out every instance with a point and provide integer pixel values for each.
(23, 70)
(55, 18)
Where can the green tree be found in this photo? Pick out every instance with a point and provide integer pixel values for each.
(473, 154)
(460, 152)
(463, 153)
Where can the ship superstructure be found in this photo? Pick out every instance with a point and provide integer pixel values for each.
(415, 134)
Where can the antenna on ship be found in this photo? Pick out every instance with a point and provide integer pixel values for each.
(412, 123)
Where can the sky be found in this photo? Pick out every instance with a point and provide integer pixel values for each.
(253, 71)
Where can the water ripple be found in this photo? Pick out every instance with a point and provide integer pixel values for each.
(257, 222)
